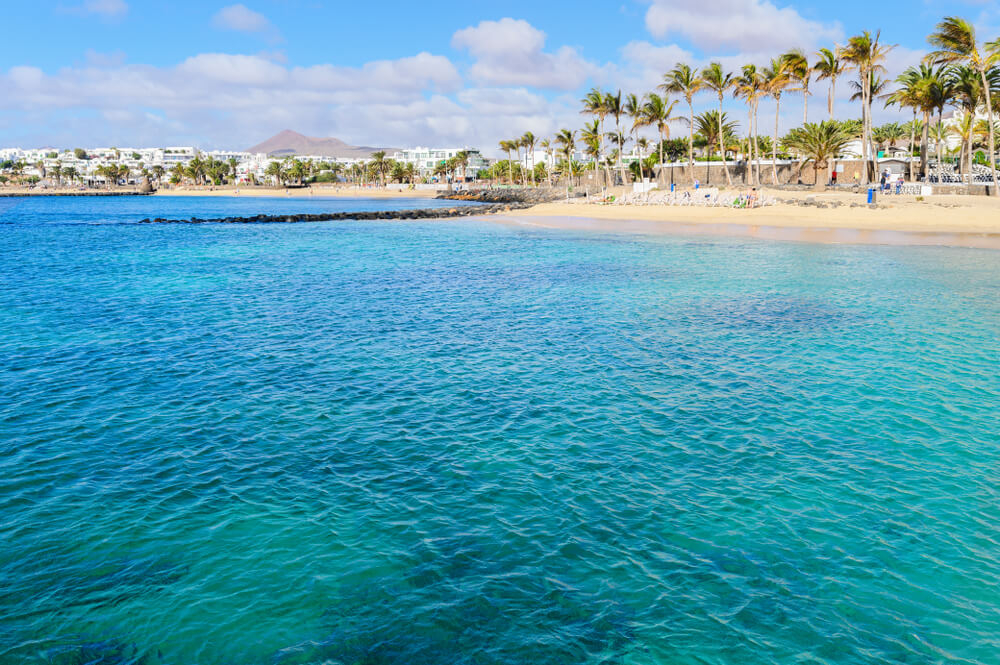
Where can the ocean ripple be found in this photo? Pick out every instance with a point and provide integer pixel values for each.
(459, 442)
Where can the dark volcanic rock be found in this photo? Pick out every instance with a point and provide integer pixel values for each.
(420, 213)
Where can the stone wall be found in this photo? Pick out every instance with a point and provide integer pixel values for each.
(713, 174)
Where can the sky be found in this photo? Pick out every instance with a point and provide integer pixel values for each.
(223, 75)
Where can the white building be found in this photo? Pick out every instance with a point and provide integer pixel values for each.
(427, 159)
(249, 166)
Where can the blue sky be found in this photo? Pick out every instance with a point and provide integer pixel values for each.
(227, 75)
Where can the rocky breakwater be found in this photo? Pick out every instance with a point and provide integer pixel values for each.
(419, 213)
(530, 196)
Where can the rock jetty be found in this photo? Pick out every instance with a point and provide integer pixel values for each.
(531, 195)
(419, 213)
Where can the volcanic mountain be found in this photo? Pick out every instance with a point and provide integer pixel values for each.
(292, 143)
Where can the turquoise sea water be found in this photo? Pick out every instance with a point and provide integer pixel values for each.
(463, 442)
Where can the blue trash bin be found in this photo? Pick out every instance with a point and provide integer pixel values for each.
(871, 195)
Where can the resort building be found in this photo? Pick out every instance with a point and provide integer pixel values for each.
(427, 159)
(250, 167)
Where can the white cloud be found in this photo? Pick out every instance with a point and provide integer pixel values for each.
(109, 8)
(509, 52)
(661, 58)
(217, 99)
(241, 18)
(244, 70)
(743, 25)
(98, 59)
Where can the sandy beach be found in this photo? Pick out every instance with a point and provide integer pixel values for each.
(970, 221)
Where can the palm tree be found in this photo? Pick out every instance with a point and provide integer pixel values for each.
(982, 132)
(528, 141)
(750, 86)
(878, 88)
(967, 93)
(275, 171)
(508, 147)
(776, 80)
(595, 103)
(683, 81)
(641, 144)
(940, 133)
(965, 130)
(865, 53)
(613, 104)
(441, 170)
(820, 143)
(907, 96)
(659, 113)
(590, 136)
(546, 147)
(893, 133)
(633, 108)
(398, 173)
(567, 139)
(715, 129)
(925, 88)
(380, 165)
(461, 161)
(409, 172)
(830, 66)
(800, 72)
(719, 81)
(955, 42)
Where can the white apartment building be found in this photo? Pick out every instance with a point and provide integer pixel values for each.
(249, 165)
(426, 159)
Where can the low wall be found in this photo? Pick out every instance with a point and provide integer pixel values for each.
(713, 173)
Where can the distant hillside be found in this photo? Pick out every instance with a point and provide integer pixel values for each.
(293, 143)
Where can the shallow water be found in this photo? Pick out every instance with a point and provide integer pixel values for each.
(462, 442)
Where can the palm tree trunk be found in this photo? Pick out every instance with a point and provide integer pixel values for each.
(909, 146)
(970, 151)
(990, 131)
(639, 149)
(805, 107)
(940, 129)
(774, 145)
(833, 92)
(924, 147)
(621, 149)
(659, 176)
(600, 158)
(864, 128)
(756, 143)
(722, 142)
(691, 139)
